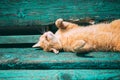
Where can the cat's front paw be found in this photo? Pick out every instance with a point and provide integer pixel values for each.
(85, 47)
(79, 45)
(54, 50)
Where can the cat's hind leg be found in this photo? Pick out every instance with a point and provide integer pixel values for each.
(59, 23)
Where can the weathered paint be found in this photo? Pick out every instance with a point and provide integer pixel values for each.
(15, 51)
(30, 58)
(36, 16)
(60, 74)
(36, 12)
(19, 39)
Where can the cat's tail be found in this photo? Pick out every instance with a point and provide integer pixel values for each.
(115, 24)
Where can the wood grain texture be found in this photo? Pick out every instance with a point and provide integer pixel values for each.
(30, 17)
(19, 39)
(25, 17)
(31, 58)
(60, 74)
(37, 12)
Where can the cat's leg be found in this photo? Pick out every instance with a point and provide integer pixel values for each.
(86, 48)
(54, 50)
(61, 24)
(77, 45)
(81, 46)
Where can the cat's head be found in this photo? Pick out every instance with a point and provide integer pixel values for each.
(49, 42)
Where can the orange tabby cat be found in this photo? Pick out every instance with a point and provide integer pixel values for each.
(74, 38)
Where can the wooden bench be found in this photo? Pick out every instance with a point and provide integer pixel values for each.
(20, 61)
(22, 23)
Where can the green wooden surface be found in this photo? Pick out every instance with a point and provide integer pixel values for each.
(36, 12)
(60, 74)
(30, 17)
(31, 58)
(19, 39)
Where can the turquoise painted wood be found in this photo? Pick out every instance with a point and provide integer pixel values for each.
(16, 53)
(19, 39)
(37, 12)
(60, 74)
(27, 18)
(31, 58)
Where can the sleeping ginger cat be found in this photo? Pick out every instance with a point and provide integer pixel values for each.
(74, 38)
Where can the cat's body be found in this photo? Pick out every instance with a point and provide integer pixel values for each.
(74, 38)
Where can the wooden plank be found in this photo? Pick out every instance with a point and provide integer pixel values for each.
(26, 41)
(37, 12)
(60, 74)
(31, 58)
(19, 39)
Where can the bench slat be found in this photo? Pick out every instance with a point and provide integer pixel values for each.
(60, 74)
(31, 58)
(19, 39)
(35, 12)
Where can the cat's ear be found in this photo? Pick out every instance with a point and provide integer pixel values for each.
(49, 36)
(54, 50)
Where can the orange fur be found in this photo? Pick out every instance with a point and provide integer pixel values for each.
(74, 38)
